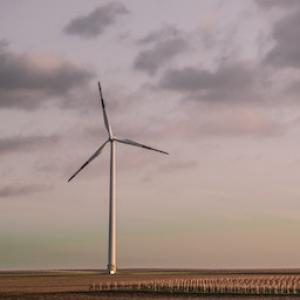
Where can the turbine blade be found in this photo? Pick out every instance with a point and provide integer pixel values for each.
(105, 118)
(133, 143)
(99, 150)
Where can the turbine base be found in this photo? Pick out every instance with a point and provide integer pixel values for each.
(111, 269)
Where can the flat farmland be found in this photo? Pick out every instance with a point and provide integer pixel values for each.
(91, 284)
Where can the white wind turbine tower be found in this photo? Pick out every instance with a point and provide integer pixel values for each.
(111, 267)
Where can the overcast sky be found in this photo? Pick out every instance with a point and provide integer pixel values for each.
(215, 83)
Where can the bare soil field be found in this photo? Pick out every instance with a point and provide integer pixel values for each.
(137, 284)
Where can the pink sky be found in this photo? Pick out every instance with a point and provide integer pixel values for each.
(215, 83)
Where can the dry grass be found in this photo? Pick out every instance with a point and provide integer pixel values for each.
(85, 284)
(238, 284)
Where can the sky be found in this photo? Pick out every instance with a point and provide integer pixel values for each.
(213, 82)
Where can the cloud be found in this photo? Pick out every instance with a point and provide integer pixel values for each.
(169, 168)
(286, 52)
(165, 45)
(227, 121)
(14, 144)
(178, 166)
(166, 32)
(242, 123)
(27, 81)
(19, 191)
(277, 3)
(3, 43)
(96, 22)
(230, 82)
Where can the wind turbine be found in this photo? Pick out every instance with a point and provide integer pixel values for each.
(112, 140)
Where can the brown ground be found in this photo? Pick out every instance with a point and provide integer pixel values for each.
(64, 285)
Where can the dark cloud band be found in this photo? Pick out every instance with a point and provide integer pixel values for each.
(233, 82)
(26, 82)
(163, 46)
(96, 22)
(9, 191)
(15, 144)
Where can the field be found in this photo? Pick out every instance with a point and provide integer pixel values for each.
(146, 284)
